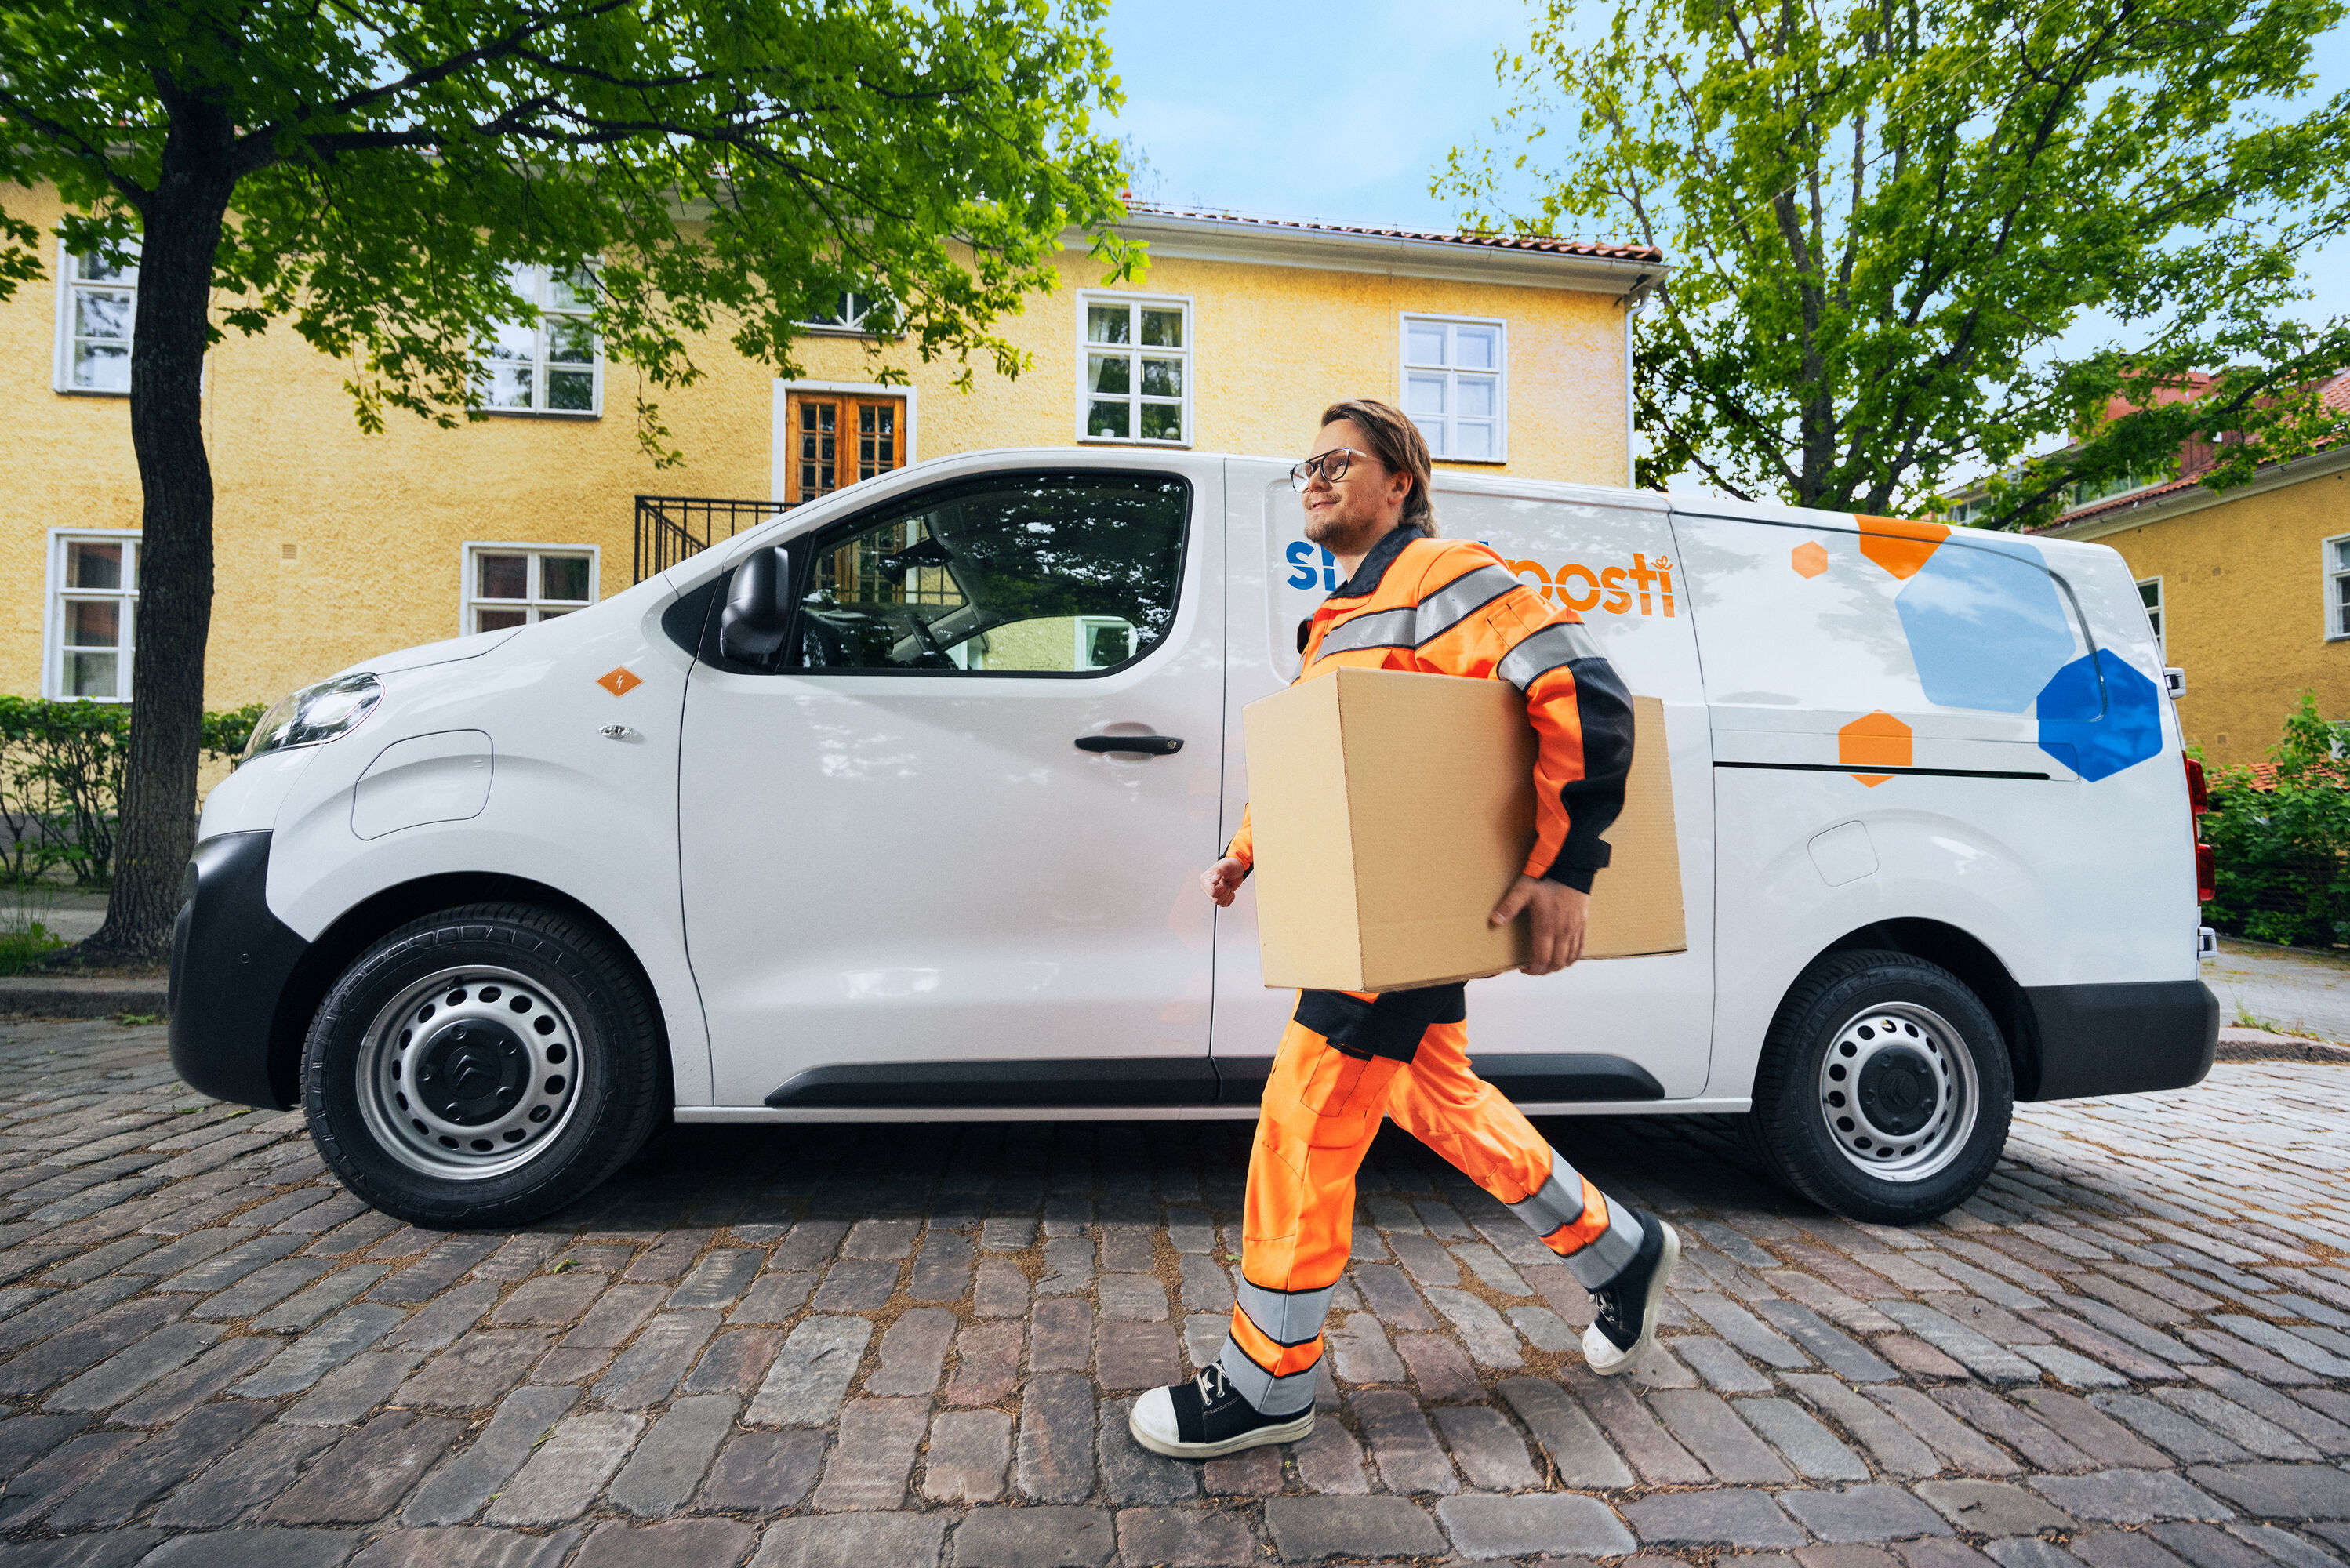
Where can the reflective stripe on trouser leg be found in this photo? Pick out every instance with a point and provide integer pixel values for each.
(1441, 1102)
(1320, 1112)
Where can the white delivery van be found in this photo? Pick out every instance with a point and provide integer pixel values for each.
(893, 809)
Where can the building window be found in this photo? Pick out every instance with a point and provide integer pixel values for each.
(93, 615)
(837, 439)
(96, 310)
(1456, 385)
(549, 365)
(849, 317)
(517, 585)
(2337, 586)
(2150, 592)
(1134, 369)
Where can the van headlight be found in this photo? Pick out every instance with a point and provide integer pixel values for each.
(314, 714)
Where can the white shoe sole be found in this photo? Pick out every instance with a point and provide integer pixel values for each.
(1614, 1361)
(1287, 1432)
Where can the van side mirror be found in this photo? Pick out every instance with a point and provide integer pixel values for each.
(751, 629)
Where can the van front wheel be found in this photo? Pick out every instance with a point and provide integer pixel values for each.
(481, 1066)
(1884, 1092)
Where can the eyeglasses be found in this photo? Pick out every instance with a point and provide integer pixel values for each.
(1331, 466)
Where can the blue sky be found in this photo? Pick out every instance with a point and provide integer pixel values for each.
(1301, 109)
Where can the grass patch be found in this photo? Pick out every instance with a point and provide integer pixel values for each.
(23, 949)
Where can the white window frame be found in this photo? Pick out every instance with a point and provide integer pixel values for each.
(2330, 572)
(1500, 374)
(540, 276)
(850, 325)
(53, 662)
(1188, 354)
(61, 352)
(467, 600)
(2161, 616)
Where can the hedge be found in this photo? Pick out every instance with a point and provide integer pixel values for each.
(2283, 850)
(61, 781)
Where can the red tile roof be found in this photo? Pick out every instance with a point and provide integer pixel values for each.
(1541, 242)
(2333, 394)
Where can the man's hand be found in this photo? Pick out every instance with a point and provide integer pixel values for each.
(1223, 879)
(1559, 913)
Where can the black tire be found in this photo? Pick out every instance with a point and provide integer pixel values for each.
(538, 1018)
(1933, 1071)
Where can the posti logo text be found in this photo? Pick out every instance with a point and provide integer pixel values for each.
(1646, 584)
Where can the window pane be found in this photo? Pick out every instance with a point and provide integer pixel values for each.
(1476, 395)
(1471, 438)
(1107, 644)
(1162, 422)
(1476, 348)
(569, 341)
(1163, 328)
(571, 289)
(1162, 378)
(1021, 561)
(1423, 396)
(97, 269)
(2342, 553)
(506, 385)
(502, 578)
(498, 619)
(2151, 594)
(1107, 419)
(93, 565)
(92, 675)
(102, 313)
(102, 366)
(93, 623)
(563, 577)
(571, 391)
(552, 614)
(1108, 323)
(1424, 344)
(1108, 373)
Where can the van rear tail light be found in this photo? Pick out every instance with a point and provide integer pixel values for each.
(2199, 796)
(2206, 869)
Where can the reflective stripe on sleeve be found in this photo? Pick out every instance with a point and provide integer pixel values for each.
(1285, 1317)
(1386, 628)
(1459, 599)
(1561, 642)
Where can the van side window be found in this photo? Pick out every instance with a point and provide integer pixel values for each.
(1014, 574)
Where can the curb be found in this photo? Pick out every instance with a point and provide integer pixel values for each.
(60, 996)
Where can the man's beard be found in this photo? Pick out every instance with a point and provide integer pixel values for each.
(1341, 536)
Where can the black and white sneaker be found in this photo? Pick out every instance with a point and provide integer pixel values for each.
(1625, 1324)
(1206, 1419)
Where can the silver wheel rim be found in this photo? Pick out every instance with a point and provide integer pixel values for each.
(1898, 1092)
(469, 1074)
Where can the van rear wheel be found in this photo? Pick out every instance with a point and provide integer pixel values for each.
(1884, 1092)
(482, 1066)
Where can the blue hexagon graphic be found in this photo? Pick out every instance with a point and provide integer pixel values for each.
(2098, 732)
(1985, 625)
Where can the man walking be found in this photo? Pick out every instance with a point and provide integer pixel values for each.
(1414, 602)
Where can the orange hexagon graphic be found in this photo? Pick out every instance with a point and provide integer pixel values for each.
(1811, 559)
(1899, 544)
(1877, 740)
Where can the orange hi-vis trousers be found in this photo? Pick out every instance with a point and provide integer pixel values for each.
(1322, 1108)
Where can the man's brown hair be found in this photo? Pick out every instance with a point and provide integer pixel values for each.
(1397, 443)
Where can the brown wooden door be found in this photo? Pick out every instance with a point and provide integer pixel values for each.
(840, 438)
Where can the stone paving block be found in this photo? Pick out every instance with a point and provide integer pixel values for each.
(1993, 1508)
(2276, 1492)
(1136, 1355)
(2100, 1437)
(1863, 1513)
(1310, 1529)
(125, 1485)
(458, 1489)
(71, 1351)
(1400, 1443)
(279, 1548)
(670, 1461)
(1484, 1526)
(260, 1290)
(1896, 1450)
(764, 1472)
(1963, 1446)
(2121, 1549)
(650, 1368)
(1723, 1517)
(129, 1370)
(1988, 1413)
(968, 1455)
(1809, 1446)
(987, 1364)
(1131, 1473)
(1744, 1330)
(1489, 1337)
(1056, 1438)
(2253, 1434)
(350, 1391)
(2320, 1432)
(467, 1548)
(301, 1310)
(249, 1476)
(1722, 1367)
(1001, 1290)
(811, 1372)
(25, 1438)
(873, 1457)
(476, 1371)
(2282, 1545)
(1842, 1355)
(852, 1540)
(2129, 1497)
(912, 1352)
(2173, 1430)
(1440, 1367)
(552, 1301)
(1068, 1266)
(1186, 1538)
(1986, 1360)
(1487, 1448)
(1060, 1336)
(571, 1466)
(774, 1298)
(1708, 1429)
(1654, 1455)
(316, 1353)
(1580, 1454)
(1132, 1298)
(173, 1396)
(698, 1543)
(735, 1362)
(1391, 1299)
(716, 1281)
(1033, 1538)
(441, 1267)
(65, 1470)
(366, 1473)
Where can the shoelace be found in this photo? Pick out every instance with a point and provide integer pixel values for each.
(1211, 1384)
(1609, 1310)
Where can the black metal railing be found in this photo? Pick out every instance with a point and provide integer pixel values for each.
(672, 527)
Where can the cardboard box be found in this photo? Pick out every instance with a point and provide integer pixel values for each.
(1393, 810)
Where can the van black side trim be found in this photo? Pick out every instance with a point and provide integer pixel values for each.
(1876, 768)
(2122, 1038)
(1569, 1076)
(1114, 1081)
(231, 958)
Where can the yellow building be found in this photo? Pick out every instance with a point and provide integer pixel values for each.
(2249, 591)
(333, 545)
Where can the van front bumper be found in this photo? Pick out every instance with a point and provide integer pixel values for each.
(231, 960)
(2122, 1039)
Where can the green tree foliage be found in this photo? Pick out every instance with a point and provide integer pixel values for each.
(2283, 853)
(1884, 214)
(369, 172)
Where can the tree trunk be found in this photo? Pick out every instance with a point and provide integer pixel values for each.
(183, 224)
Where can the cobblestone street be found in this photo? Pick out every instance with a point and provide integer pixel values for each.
(868, 1346)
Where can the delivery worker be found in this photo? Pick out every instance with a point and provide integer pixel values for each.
(1412, 601)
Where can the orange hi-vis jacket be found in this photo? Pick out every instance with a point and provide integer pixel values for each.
(1447, 607)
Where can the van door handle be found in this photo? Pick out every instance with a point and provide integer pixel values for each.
(1151, 745)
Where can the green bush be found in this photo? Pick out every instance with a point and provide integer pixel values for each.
(2283, 853)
